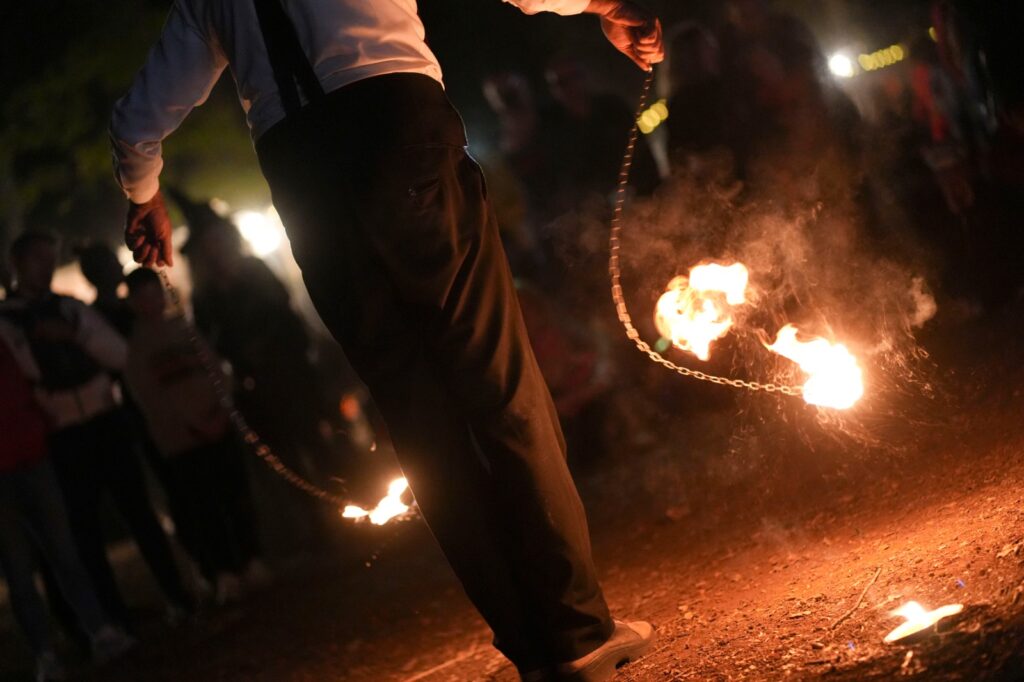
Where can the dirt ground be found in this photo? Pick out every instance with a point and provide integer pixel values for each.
(795, 584)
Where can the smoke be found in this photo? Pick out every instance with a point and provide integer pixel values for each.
(817, 259)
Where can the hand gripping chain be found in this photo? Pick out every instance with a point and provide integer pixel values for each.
(615, 272)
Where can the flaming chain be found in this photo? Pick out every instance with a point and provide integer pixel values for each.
(615, 272)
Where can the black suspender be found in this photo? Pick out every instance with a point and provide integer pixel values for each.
(289, 63)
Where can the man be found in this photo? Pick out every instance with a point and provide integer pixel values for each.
(73, 352)
(102, 269)
(388, 219)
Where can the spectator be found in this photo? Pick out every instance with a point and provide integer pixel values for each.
(588, 132)
(105, 272)
(75, 350)
(31, 506)
(575, 371)
(200, 464)
(700, 113)
(529, 162)
(245, 312)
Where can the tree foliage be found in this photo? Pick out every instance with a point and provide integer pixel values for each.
(64, 65)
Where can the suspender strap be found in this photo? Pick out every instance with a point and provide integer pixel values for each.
(287, 59)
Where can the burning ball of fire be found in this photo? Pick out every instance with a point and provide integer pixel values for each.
(697, 310)
(835, 378)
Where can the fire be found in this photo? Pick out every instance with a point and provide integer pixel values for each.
(389, 507)
(697, 310)
(917, 618)
(835, 378)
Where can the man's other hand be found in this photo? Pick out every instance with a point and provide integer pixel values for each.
(633, 30)
(147, 232)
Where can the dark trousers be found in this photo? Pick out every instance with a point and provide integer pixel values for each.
(208, 493)
(389, 220)
(32, 516)
(96, 458)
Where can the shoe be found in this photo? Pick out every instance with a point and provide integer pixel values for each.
(110, 643)
(628, 642)
(228, 589)
(49, 668)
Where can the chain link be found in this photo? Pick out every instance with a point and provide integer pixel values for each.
(615, 273)
(251, 439)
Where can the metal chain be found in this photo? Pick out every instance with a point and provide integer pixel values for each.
(251, 439)
(615, 273)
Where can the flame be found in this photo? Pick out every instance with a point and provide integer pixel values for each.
(917, 618)
(694, 311)
(389, 507)
(835, 377)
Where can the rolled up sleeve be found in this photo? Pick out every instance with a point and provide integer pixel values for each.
(564, 7)
(178, 75)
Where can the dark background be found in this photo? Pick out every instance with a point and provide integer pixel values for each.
(64, 62)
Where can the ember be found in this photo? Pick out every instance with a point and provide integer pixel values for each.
(918, 619)
(389, 507)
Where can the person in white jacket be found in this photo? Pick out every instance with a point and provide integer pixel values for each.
(68, 350)
(389, 219)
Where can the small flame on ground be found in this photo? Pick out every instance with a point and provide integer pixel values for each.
(918, 618)
(695, 311)
(389, 507)
(835, 379)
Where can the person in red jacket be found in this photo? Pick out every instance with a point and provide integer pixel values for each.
(31, 505)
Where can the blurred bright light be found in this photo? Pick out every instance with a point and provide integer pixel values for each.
(261, 229)
(653, 117)
(880, 59)
(841, 65)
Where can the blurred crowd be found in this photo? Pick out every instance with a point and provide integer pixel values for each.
(119, 421)
(133, 399)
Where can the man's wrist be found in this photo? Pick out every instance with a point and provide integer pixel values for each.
(143, 193)
(601, 7)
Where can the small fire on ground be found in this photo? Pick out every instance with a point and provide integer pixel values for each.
(699, 309)
(918, 618)
(389, 507)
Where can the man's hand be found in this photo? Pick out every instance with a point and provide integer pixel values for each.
(147, 232)
(633, 30)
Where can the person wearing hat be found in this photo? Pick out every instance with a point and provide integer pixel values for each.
(388, 218)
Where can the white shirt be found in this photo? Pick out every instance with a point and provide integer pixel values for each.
(95, 336)
(345, 41)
